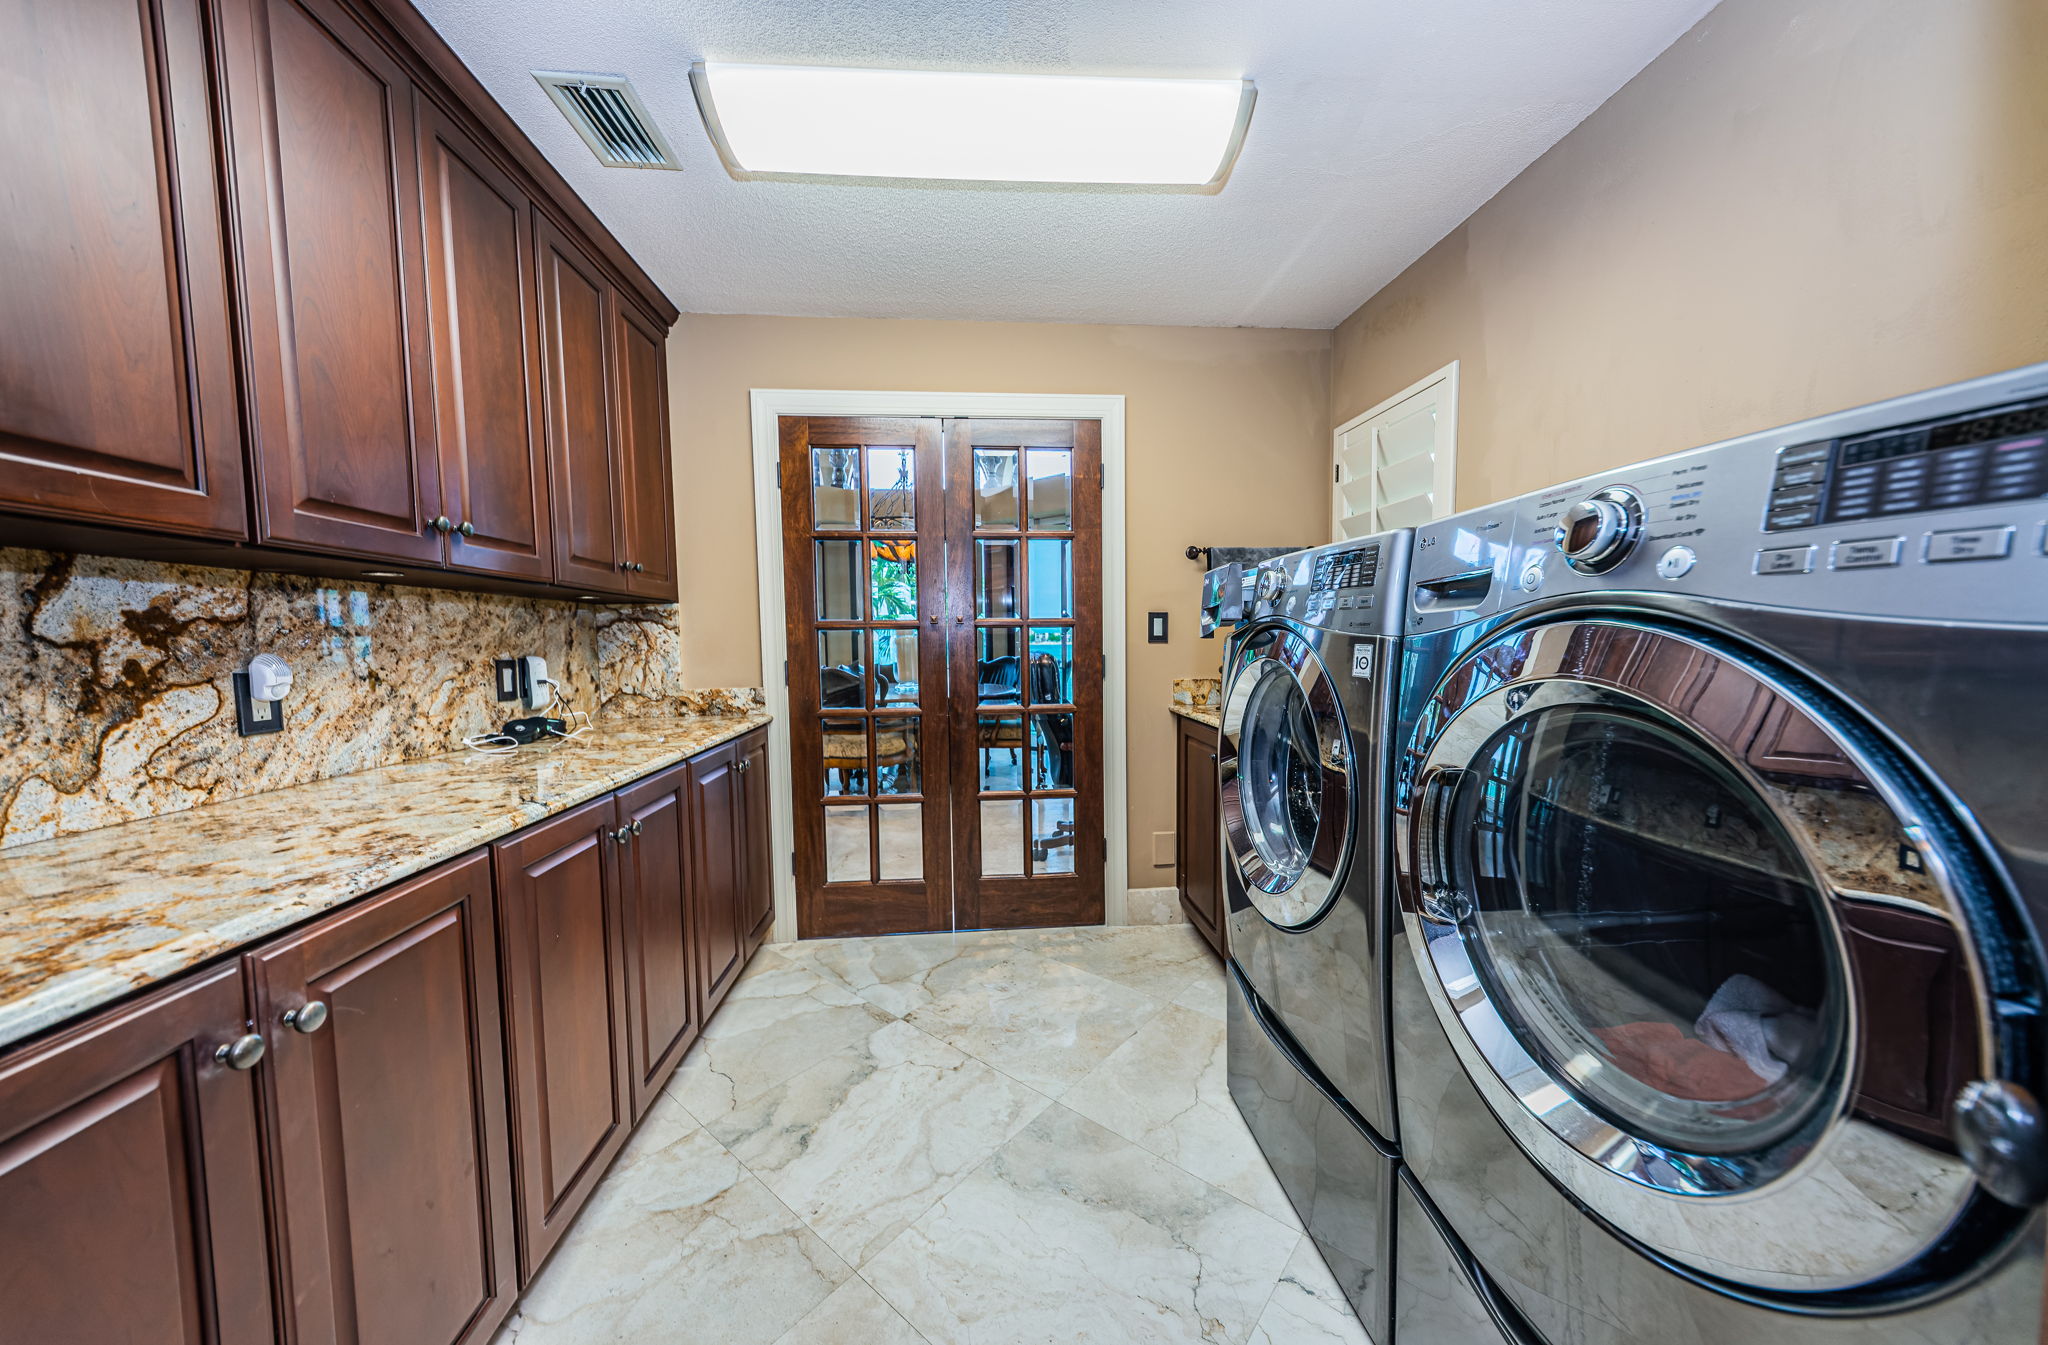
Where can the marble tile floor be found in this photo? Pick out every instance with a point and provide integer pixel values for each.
(1000, 1137)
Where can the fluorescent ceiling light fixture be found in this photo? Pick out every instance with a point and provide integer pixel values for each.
(803, 122)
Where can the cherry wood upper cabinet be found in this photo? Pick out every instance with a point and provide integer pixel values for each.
(564, 954)
(487, 385)
(717, 869)
(392, 1176)
(117, 376)
(584, 470)
(661, 976)
(131, 1197)
(646, 507)
(341, 374)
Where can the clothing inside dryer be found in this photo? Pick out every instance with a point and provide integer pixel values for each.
(1648, 929)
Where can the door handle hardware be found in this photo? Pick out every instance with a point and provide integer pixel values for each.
(468, 529)
(308, 1018)
(442, 523)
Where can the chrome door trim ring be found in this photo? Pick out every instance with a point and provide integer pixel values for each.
(1598, 1164)
(1301, 904)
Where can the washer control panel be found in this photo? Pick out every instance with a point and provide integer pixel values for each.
(1351, 586)
(1930, 507)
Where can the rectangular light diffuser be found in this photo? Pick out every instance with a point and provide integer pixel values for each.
(805, 122)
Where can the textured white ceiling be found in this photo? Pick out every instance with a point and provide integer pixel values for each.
(1380, 125)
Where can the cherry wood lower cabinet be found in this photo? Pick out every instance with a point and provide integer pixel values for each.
(1198, 854)
(757, 882)
(429, 1084)
(391, 1186)
(563, 939)
(131, 1197)
(718, 869)
(662, 1008)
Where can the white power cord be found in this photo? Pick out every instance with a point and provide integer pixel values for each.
(500, 744)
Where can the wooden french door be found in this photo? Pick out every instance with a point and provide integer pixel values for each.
(943, 589)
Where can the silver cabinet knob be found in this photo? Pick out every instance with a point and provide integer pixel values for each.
(636, 828)
(468, 529)
(622, 835)
(1999, 1130)
(638, 568)
(241, 1053)
(442, 523)
(308, 1018)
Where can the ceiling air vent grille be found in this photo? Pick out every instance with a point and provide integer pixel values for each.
(610, 117)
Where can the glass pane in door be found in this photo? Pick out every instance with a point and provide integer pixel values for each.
(835, 488)
(837, 566)
(1052, 489)
(892, 580)
(892, 494)
(995, 488)
(1051, 562)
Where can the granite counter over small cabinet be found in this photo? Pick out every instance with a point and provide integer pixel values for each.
(86, 919)
(1199, 699)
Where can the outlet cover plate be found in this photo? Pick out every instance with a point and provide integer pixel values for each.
(253, 716)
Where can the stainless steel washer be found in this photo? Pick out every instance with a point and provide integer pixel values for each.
(1723, 849)
(1307, 706)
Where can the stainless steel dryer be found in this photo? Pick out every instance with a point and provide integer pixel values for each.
(1302, 756)
(1722, 830)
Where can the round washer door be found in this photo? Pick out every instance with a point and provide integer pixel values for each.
(1715, 963)
(1286, 768)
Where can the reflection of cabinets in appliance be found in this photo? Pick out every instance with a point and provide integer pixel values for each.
(403, 1186)
(1197, 852)
(1786, 743)
(1917, 1044)
(273, 279)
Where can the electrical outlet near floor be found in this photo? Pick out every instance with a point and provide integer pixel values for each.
(1162, 849)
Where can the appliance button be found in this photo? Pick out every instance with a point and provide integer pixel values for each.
(1793, 518)
(1866, 553)
(1969, 544)
(1799, 476)
(1803, 454)
(1532, 574)
(1674, 564)
(1785, 560)
(1785, 499)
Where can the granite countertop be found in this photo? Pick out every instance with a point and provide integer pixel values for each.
(1201, 715)
(88, 918)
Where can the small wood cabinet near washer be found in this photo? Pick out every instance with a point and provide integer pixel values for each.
(374, 1128)
(1198, 856)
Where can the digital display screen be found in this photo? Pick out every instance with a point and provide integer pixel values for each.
(1943, 464)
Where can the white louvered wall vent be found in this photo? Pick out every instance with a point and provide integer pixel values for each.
(610, 117)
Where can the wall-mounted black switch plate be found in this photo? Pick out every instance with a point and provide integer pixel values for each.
(253, 716)
(506, 675)
(1155, 628)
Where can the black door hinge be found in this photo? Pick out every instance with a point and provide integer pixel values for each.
(1336, 473)
(785, 672)
(792, 863)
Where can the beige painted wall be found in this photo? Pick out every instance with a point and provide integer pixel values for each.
(1205, 406)
(1803, 205)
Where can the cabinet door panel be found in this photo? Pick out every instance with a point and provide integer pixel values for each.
(131, 1205)
(564, 977)
(117, 382)
(757, 906)
(646, 507)
(661, 983)
(342, 376)
(715, 868)
(1198, 875)
(584, 470)
(479, 237)
(392, 1152)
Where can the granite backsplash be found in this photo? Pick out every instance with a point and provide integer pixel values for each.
(119, 704)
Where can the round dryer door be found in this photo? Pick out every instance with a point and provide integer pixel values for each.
(1716, 960)
(1286, 767)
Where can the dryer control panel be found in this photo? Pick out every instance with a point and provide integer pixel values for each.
(1929, 508)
